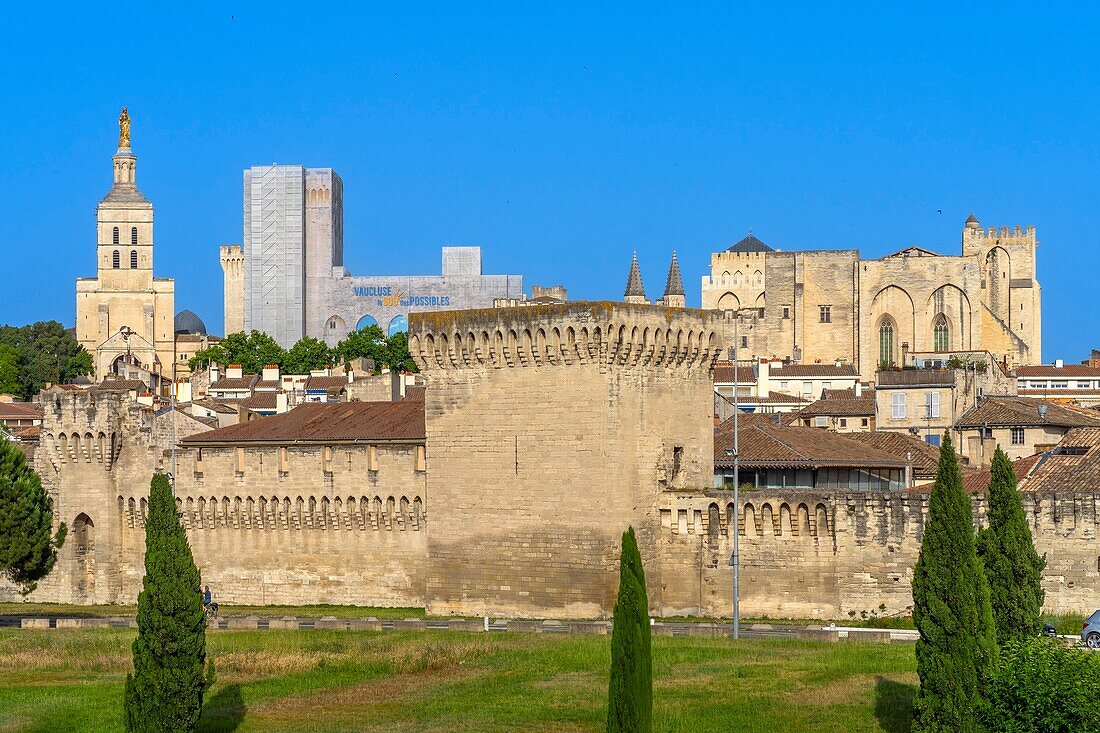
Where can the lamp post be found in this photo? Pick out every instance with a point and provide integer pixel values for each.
(735, 528)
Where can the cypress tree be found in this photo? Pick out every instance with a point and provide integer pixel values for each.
(164, 693)
(630, 692)
(951, 609)
(1012, 566)
(28, 548)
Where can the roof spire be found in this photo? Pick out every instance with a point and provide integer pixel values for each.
(674, 285)
(634, 287)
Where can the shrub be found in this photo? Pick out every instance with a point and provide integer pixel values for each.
(1042, 685)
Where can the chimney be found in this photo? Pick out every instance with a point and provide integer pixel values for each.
(280, 402)
(215, 373)
(1058, 363)
(271, 373)
(234, 371)
(859, 388)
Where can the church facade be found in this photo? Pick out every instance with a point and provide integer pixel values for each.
(124, 315)
(831, 305)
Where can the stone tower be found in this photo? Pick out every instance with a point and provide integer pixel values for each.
(124, 313)
(635, 291)
(1011, 298)
(232, 259)
(674, 286)
(551, 430)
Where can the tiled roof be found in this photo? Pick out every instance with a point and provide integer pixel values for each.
(1023, 411)
(236, 383)
(1055, 393)
(773, 398)
(764, 445)
(260, 401)
(925, 458)
(977, 481)
(326, 422)
(723, 372)
(847, 394)
(333, 383)
(20, 411)
(29, 433)
(813, 370)
(1074, 464)
(267, 385)
(415, 392)
(216, 406)
(121, 385)
(915, 378)
(750, 244)
(861, 407)
(1049, 370)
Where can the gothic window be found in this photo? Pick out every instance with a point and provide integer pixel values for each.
(133, 259)
(115, 260)
(133, 236)
(886, 344)
(114, 239)
(941, 335)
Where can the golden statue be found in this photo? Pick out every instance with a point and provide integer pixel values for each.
(124, 129)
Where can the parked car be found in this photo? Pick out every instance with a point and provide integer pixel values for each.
(1090, 632)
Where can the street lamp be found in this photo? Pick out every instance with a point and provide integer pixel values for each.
(735, 530)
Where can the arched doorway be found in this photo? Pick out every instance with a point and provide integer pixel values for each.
(84, 556)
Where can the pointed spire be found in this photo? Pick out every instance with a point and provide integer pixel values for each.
(634, 288)
(674, 285)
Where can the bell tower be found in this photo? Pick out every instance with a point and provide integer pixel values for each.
(124, 297)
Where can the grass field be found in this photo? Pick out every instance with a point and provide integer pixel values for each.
(71, 680)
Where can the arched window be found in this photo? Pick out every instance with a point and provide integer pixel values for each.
(886, 344)
(133, 236)
(114, 238)
(941, 335)
(115, 260)
(133, 259)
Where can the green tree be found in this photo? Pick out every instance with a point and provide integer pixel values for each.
(366, 343)
(28, 548)
(253, 351)
(164, 693)
(308, 354)
(9, 370)
(630, 692)
(951, 610)
(1012, 566)
(397, 353)
(47, 352)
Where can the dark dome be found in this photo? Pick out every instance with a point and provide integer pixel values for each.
(188, 322)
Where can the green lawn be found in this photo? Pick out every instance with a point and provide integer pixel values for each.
(71, 680)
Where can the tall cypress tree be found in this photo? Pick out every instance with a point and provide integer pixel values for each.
(164, 693)
(1013, 567)
(630, 692)
(951, 609)
(28, 548)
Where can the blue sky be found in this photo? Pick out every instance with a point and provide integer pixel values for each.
(560, 138)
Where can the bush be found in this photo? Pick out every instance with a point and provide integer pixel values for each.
(1042, 685)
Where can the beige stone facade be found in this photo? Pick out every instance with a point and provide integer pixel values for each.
(825, 305)
(232, 261)
(124, 313)
(551, 430)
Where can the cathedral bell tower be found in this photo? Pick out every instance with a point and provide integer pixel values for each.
(124, 311)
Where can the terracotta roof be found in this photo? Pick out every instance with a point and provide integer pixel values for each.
(415, 392)
(977, 481)
(216, 406)
(723, 372)
(1023, 411)
(260, 401)
(763, 445)
(333, 383)
(1073, 465)
(326, 422)
(267, 385)
(1049, 370)
(925, 458)
(122, 385)
(847, 394)
(915, 378)
(1055, 393)
(813, 370)
(20, 411)
(29, 433)
(773, 398)
(855, 407)
(236, 383)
